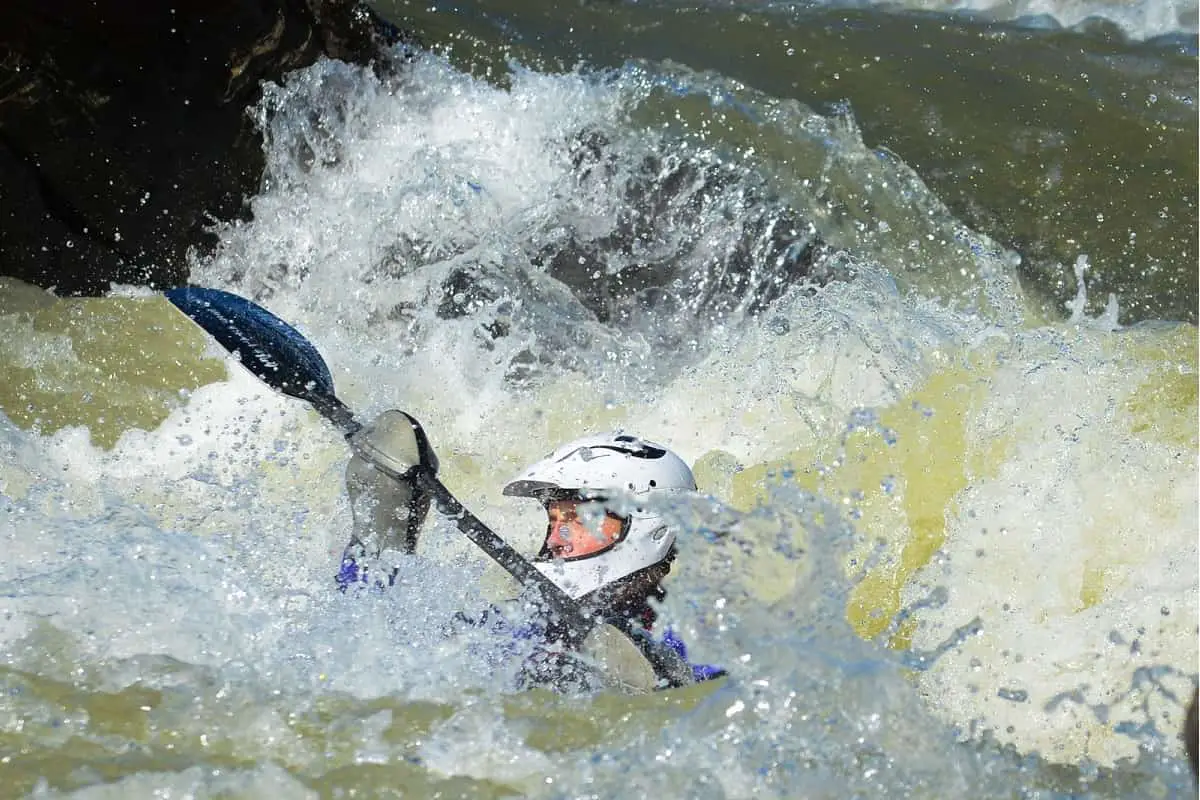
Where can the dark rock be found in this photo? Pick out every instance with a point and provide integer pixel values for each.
(666, 253)
(124, 131)
(694, 240)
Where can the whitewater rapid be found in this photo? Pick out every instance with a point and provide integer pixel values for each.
(934, 529)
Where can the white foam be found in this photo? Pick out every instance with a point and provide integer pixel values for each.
(212, 540)
(785, 383)
(1139, 20)
(1078, 557)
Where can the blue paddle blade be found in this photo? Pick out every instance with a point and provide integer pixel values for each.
(272, 350)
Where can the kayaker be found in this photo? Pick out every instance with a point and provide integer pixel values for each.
(607, 544)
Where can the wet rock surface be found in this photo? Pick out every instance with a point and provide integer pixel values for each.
(123, 127)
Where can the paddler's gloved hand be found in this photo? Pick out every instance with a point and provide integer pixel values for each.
(381, 478)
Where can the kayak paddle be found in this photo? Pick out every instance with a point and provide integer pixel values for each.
(280, 356)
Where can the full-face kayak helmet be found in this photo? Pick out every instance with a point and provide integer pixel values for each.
(578, 554)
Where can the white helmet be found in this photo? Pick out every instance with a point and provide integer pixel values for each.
(592, 468)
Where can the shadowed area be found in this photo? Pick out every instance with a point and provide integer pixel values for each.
(112, 165)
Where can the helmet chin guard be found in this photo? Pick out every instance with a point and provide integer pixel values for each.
(597, 466)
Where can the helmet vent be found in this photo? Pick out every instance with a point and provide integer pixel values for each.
(632, 447)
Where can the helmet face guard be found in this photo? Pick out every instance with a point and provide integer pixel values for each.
(571, 536)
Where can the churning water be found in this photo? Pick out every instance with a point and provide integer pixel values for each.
(945, 546)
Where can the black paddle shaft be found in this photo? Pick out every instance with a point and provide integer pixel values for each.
(578, 623)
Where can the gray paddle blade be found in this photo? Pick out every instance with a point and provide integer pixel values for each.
(395, 443)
